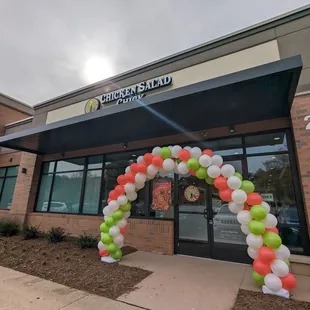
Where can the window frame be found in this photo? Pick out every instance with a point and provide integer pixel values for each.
(4, 178)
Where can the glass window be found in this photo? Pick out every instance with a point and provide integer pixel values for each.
(193, 227)
(12, 171)
(71, 164)
(139, 207)
(272, 177)
(48, 167)
(7, 193)
(95, 162)
(266, 143)
(66, 192)
(92, 192)
(44, 193)
(2, 172)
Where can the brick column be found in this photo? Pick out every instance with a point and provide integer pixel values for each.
(26, 187)
(300, 110)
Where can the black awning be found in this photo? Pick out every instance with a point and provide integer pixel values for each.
(256, 94)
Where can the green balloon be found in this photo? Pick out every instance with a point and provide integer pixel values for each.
(258, 212)
(238, 175)
(117, 215)
(110, 221)
(165, 152)
(126, 207)
(272, 240)
(287, 262)
(209, 180)
(117, 255)
(259, 279)
(201, 173)
(178, 160)
(193, 164)
(247, 186)
(104, 228)
(256, 227)
(112, 248)
(106, 238)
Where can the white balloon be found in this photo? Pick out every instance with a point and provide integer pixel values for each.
(273, 282)
(156, 151)
(118, 238)
(121, 223)
(182, 167)
(150, 177)
(152, 170)
(245, 229)
(127, 170)
(132, 196)
(175, 151)
(214, 171)
(234, 182)
(101, 246)
(279, 268)
(239, 196)
(196, 152)
(168, 164)
(127, 214)
(282, 252)
(139, 185)
(244, 217)
(140, 178)
(217, 160)
(107, 211)
(228, 171)
(270, 221)
(254, 241)
(235, 207)
(122, 200)
(113, 205)
(187, 148)
(114, 231)
(129, 188)
(205, 161)
(140, 159)
(266, 206)
(253, 253)
(163, 171)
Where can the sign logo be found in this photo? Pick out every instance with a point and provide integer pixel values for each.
(191, 193)
(92, 105)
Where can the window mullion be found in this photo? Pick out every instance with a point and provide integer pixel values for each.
(52, 185)
(102, 184)
(83, 186)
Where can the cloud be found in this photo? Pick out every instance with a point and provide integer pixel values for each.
(46, 44)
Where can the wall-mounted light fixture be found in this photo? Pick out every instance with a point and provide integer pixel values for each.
(125, 146)
(24, 170)
(62, 155)
(231, 128)
(204, 134)
(11, 159)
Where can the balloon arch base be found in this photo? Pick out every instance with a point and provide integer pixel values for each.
(271, 258)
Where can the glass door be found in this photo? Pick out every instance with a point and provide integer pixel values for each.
(193, 227)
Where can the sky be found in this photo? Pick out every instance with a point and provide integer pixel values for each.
(49, 48)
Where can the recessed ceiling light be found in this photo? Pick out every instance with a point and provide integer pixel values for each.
(273, 157)
(276, 138)
(270, 175)
(236, 153)
(134, 155)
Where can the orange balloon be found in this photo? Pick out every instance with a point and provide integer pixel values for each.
(184, 155)
(266, 255)
(103, 253)
(157, 161)
(288, 282)
(134, 168)
(123, 230)
(120, 189)
(148, 157)
(225, 194)
(274, 229)
(246, 207)
(207, 152)
(220, 183)
(130, 177)
(121, 180)
(254, 199)
(109, 200)
(142, 168)
(192, 172)
(113, 195)
(261, 267)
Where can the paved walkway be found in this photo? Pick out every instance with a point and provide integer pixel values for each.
(177, 282)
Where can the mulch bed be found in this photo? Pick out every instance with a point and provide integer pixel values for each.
(69, 265)
(248, 300)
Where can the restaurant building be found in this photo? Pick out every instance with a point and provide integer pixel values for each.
(246, 96)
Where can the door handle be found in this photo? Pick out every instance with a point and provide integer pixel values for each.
(205, 214)
(211, 222)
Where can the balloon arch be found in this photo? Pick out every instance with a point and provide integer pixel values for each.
(271, 264)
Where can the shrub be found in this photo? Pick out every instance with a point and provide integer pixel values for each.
(87, 241)
(9, 228)
(56, 234)
(31, 232)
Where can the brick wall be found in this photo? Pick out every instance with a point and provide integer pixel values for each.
(146, 235)
(301, 109)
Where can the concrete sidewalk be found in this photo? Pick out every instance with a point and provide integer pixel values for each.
(19, 291)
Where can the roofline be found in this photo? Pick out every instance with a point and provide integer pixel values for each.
(20, 122)
(256, 28)
(25, 108)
